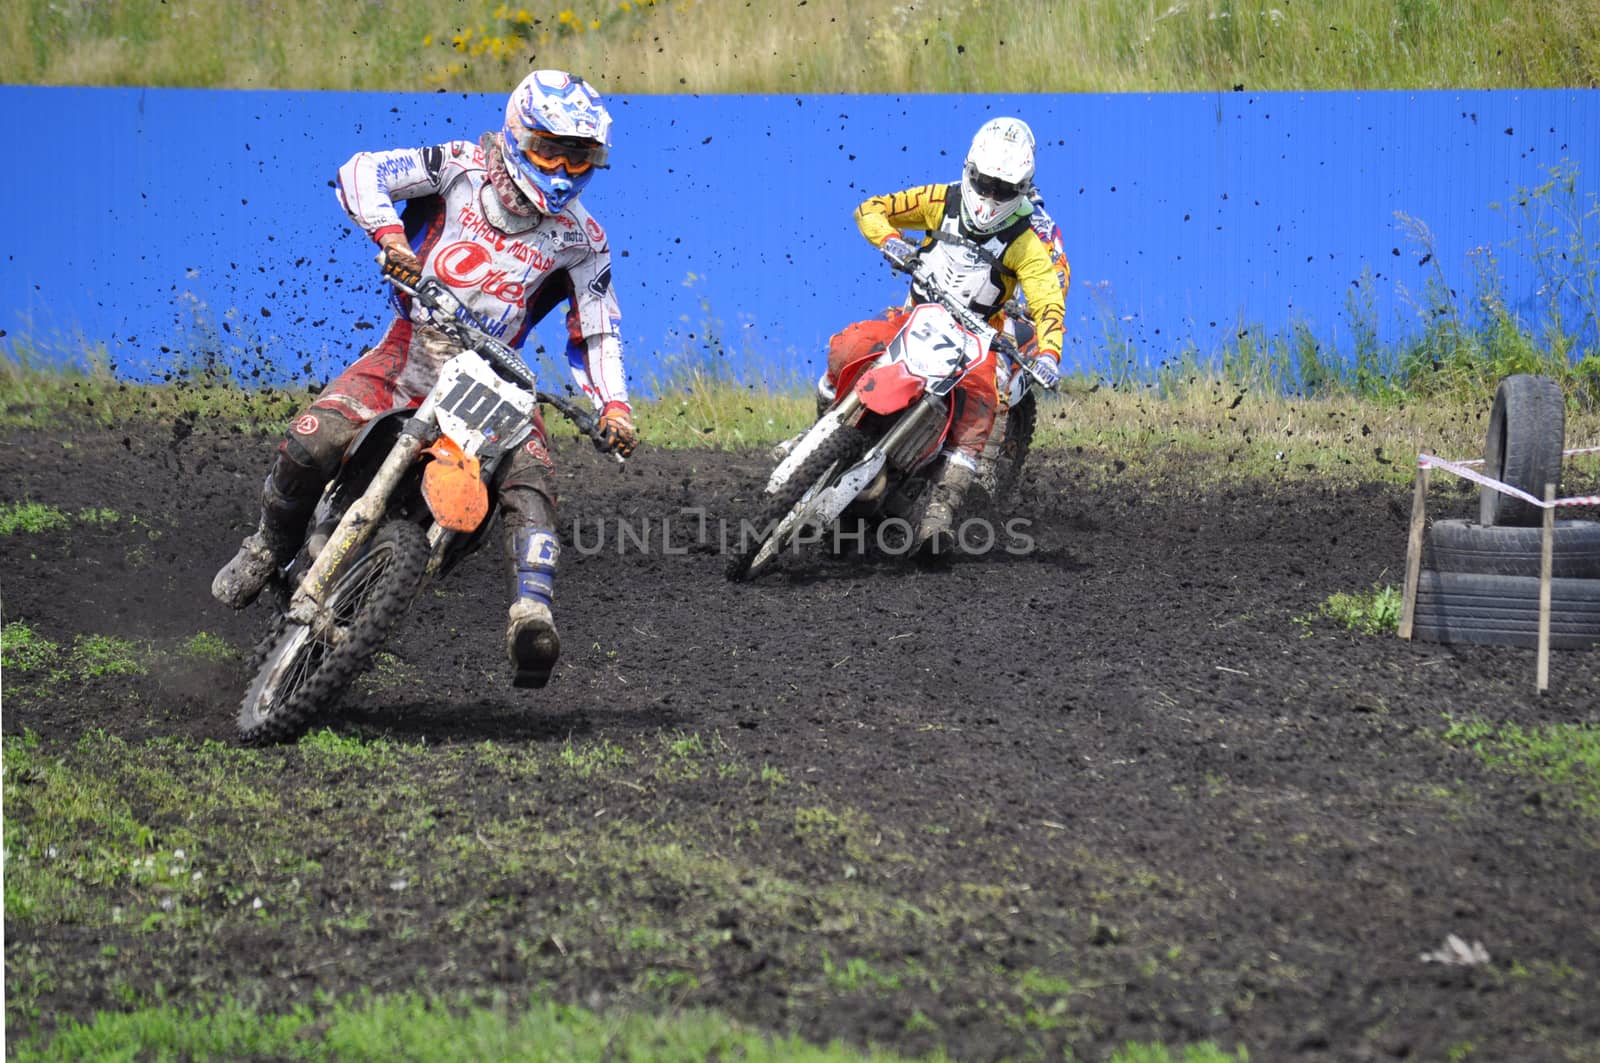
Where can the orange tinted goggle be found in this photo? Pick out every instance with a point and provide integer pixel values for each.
(549, 153)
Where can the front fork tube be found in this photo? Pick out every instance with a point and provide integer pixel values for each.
(906, 428)
(357, 524)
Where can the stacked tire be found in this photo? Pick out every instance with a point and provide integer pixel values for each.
(1483, 584)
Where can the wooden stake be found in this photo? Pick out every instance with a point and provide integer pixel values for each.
(1546, 552)
(1419, 506)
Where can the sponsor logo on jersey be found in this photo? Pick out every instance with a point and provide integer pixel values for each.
(395, 165)
(305, 424)
(601, 284)
(467, 264)
(597, 235)
(528, 254)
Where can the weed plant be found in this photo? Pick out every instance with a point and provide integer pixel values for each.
(663, 46)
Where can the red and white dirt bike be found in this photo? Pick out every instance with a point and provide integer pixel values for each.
(869, 454)
(414, 495)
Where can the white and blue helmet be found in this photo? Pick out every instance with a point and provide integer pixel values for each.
(557, 133)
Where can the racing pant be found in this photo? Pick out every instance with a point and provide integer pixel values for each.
(399, 372)
(973, 400)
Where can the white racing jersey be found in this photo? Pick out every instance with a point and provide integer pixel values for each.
(508, 269)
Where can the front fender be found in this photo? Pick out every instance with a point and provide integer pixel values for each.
(889, 388)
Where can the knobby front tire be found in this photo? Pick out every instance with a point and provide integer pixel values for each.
(298, 672)
(835, 454)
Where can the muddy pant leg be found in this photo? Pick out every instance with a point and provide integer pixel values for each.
(974, 418)
(860, 341)
(528, 515)
(305, 460)
(985, 475)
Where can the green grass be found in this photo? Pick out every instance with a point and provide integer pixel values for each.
(660, 46)
(90, 657)
(161, 847)
(401, 1027)
(412, 1027)
(1180, 426)
(22, 648)
(1565, 757)
(1374, 612)
(31, 518)
(36, 517)
(204, 646)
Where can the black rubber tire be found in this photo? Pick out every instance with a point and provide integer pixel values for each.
(1465, 546)
(1021, 421)
(1527, 431)
(833, 456)
(1464, 607)
(295, 675)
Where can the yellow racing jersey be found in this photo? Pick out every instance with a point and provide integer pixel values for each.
(983, 269)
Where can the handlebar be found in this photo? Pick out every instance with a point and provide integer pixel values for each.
(963, 313)
(455, 320)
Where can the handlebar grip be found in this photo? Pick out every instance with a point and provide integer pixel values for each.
(411, 278)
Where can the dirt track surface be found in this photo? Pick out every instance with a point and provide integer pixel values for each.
(1115, 762)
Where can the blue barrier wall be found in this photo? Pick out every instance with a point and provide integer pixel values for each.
(168, 222)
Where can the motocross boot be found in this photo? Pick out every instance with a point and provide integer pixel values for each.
(936, 534)
(287, 499)
(984, 478)
(532, 643)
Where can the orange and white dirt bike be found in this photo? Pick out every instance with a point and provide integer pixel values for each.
(414, 496)
(870, 453)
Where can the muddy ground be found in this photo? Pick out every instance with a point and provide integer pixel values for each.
(1105, 790)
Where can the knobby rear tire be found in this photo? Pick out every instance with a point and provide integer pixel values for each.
(1021, 421)
(835, 454)
(297, 674)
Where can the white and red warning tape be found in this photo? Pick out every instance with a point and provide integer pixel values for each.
(1460, 468)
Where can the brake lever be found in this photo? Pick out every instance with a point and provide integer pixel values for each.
(587, 423)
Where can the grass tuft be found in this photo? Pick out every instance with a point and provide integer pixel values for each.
(1374, 612)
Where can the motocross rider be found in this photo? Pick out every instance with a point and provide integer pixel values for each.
(981, 247)
(498, 222)
(1024, 335)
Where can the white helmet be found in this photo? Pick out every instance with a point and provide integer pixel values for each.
(556, 134)
(998, 174)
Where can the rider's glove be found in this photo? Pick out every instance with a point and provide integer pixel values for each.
(1047, 369)
(398, 253)
(898, 251)
(617, 433)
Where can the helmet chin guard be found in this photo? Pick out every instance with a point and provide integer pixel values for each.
(998, 174)
(557, 132)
